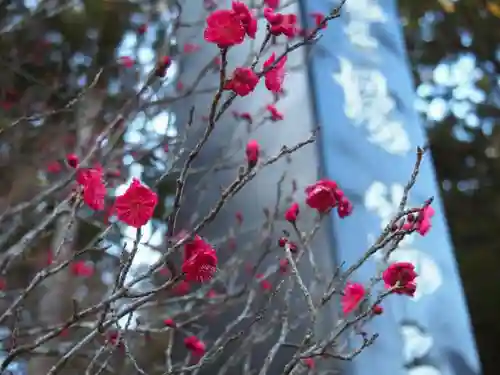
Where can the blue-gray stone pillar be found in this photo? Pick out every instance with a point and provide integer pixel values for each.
(364, 100)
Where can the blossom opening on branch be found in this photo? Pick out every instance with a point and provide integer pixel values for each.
(54, 167)
(224, 28)
(325, 195)
(377, 310)
(281, 24)
(136, 206)
(243, 81)
(275, 77)
(82, 269)
(195, 345)
(401, 275)
(246, 17)
(353, 294)
(273, 4)
(169, 323)
(200, 260)
(72, 160)
(318, 19)
(181, 288)
(275, 114)
(94, 190)
(252, 152)
(309, 363)
(292, 213)
(424, 224)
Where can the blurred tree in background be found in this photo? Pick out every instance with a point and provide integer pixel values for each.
(67, 69)
(454, 50)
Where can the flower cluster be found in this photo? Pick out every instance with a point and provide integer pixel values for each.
(325, 195)
(228, 27)
(200, 260)
(275, 115)
(281, 24)
(94, 190)
(195, 345)
(197, 259)
(275, 73)
(134, 207)
(421, 222)
(252, 152)
(399, 278)
(242, 82)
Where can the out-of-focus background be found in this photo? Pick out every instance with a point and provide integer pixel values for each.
(50, 50)
(454, 53)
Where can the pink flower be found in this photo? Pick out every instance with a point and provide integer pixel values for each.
(50, 258)
(136, 206)
(292, 246)
(94, 190)
(284, 265)
(353, 294)
(182, 288)
(246, 17)
(273, 4)
(81, 268)
(126, 61)
(162, 66)
(54, 167)
(239, 217)
(64, 332)
(264, 283)
(292, 213)
(377, 310)
(423, 224)
(86, 174)
(169, 323)
(200, 260)
(282, 241)
(212, 294)
(322, 195)
(243, 81)
(285, 24)
(252, 152)
(142, 29)
(402, 275)
(318, 18)
(224, 28)
(72, 160)
(115, 339)
(275, 77)
(309, 363)
(195, 345)
(344, 207)
(275, 114)
(246, 116)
